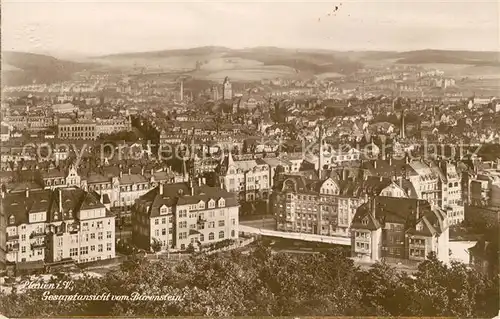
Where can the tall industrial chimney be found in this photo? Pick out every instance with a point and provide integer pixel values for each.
(320, 156)
(182, 89)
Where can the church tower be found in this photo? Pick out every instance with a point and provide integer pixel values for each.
(227, 93)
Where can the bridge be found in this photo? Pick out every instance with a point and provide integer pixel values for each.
(337, 240)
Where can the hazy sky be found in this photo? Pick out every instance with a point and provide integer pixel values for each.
(100, 27)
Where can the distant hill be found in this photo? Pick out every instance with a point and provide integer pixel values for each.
(450, 57)
(315, 62)
(215, 62)
(24, 68)
(167, 53)
(437, 56)
(308, 61)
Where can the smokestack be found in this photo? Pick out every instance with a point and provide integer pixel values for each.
(182, 90)
(161, 188)
(320, 157)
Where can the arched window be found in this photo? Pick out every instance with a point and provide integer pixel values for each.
(211, 236)
(232, 233)
(221, 234)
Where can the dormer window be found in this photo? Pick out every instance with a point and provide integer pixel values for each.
(201, 205)
(420, 227)
(163, 210)
(364, 221)
(211, 204)
(12, 219)
(222, 202)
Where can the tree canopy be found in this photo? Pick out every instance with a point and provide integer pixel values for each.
(265, 283)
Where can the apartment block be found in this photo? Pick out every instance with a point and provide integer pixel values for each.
(396, 229)
(175, 216)
(326, 206)
(249, 179)
(50, 225)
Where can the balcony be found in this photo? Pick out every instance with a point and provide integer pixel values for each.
(201, 220)
(37, 245)
(13, 248)
(37, 234)
(12, 237)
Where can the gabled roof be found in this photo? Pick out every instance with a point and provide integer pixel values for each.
(406, 211)
(179, 194)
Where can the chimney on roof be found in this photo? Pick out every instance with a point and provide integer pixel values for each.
(381, 178)
(204, 181)
(418, 209)
(191, 186)
(375, 164)
(161, 188)
(142, 170)
(27, 192)
(129, 171)
(60, 200)
(390, 160)
(373, 205)
(121, 173)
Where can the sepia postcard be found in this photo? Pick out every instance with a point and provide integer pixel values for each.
(239, 159)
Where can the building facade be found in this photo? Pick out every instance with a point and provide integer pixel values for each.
(175, 216)
(396, 229)
(51, 225)
(249, 179)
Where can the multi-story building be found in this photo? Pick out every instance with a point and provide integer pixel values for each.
(484, 189)
(327, 206)
(112, 125)
(450, 197)
(425, 181)
(396, 229)
(175, 216)
(51, 225)
(76, 129)
(248, 178)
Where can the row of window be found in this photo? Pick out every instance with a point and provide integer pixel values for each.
(76, 128)
(163, 220)
(85, 250)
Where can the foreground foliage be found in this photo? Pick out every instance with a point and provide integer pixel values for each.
(263, 283)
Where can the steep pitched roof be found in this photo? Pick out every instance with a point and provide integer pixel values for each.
(406, 211)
